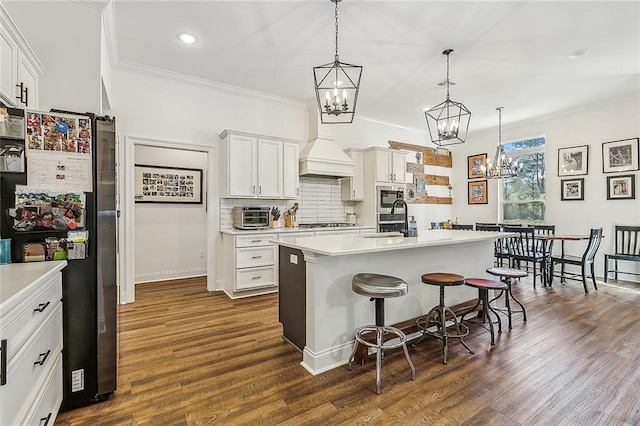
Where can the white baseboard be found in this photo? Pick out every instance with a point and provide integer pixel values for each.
(170, 275)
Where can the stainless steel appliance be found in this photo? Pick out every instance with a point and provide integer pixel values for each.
(386, 195)
(251, 217)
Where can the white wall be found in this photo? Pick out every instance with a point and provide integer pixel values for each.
(65, 36)
(591, 125)
(170, 238)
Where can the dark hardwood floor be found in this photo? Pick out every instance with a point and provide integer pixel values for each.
(189, 357)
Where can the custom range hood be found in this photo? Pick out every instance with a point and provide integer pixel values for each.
(321, 156)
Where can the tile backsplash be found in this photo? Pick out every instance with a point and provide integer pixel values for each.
(320, 200)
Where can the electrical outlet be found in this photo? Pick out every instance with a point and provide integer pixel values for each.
(201, 253)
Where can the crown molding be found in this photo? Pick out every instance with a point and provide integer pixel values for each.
(150, 71)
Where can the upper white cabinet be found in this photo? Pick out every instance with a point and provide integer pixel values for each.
(20, 69)
(389, 165)
(253, 166)
(353, 187)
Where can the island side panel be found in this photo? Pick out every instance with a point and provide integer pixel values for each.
(334, 311)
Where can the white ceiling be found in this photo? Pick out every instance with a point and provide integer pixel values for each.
(506, 53)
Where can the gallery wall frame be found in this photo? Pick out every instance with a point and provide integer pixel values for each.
(475, 164)
(620, 156)
(572, 189)
(159, 184)
(573, 161)
(621, 187)
(477, 192)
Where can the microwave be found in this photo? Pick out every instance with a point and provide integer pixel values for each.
(386, 195)
(251, 217)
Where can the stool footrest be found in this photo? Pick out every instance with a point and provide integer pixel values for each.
(388, 344)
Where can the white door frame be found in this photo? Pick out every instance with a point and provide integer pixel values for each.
(126, 164)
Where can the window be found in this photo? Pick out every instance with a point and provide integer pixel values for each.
(523, 196)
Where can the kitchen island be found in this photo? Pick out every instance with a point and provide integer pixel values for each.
(315, 282)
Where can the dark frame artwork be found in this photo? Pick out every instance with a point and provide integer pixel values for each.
(620, 156)
(573, 161)
(572, 189)
(477, 192)
(175, 185)
(621, 187)
(474, 164)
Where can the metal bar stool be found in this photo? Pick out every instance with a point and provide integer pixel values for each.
(439, 314)
(378, 287)
(507, 275)
(483, 286)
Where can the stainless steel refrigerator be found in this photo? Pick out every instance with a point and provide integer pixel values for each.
(89, 291)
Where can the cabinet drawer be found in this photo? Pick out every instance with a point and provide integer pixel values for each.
(30, 365)
(249, 257)
(254, 241)
(255, 277)
(48, 399)
(20, 323)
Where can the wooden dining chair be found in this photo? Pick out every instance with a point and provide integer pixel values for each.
(627, 248)
(500, 251)
(544, 248)
(523, 249)
(585, 261)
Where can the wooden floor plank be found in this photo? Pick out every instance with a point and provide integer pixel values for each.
(190, 357)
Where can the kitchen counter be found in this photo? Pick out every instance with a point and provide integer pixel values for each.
(296, 229)
(332, 311)
(17, 278)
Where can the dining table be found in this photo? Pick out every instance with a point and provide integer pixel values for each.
(548, 275)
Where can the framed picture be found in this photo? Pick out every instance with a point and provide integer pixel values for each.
(620, 156)
(477, 192)
(156, 184)
(475, 164)
(572, 189)
(621, 187)
(573, 161)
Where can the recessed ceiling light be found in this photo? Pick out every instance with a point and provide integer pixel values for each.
(426, 108)
(578, 54)
(187, 38)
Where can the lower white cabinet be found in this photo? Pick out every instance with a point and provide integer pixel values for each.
(31, 327)
(249, 263)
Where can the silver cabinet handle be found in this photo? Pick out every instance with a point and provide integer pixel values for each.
(253, 189)
(256, 257)
(297, 191)
(257, 277)
(260, 189)
(354, 193)
(255, 241)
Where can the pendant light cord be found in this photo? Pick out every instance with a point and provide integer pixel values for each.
(448, 75)
(336, 57)
(499, 125)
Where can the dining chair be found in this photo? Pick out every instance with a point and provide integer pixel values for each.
(627, 248)
(500, 250)
(585, 261)
(523, 248)
(545, 248)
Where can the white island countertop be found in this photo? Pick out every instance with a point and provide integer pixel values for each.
(18, 277)
(355, 244)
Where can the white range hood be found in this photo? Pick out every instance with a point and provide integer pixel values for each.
(321, 156)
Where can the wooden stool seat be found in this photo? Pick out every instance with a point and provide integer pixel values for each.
(442, 279)
(486, 284)
(507, 272)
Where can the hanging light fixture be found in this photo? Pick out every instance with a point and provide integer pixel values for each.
(502, 166)
(448, 122)
(337, 85)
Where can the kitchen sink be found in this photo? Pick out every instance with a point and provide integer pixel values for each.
(383, 235)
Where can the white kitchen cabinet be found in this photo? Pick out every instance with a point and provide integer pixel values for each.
(290, 170)
(353, 187)
(250, 264)
(389, 165)
(20, 69)
(253, 166)
(31, 335)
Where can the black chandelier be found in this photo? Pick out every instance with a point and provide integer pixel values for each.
(502, 166)
(337, 85)
(448, 122)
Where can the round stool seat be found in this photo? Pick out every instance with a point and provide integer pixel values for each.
(482, 283)
(507, 272)
(377, 285)
(442, 279)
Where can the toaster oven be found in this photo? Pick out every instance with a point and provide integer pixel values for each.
(251, 217)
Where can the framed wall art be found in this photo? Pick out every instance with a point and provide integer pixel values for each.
(621, 187)
(620, 156)
(477, 192)
(156, 184)
(572, 189)
(475, 164)
(573, 161)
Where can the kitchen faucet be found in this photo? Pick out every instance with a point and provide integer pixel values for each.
(405, 228)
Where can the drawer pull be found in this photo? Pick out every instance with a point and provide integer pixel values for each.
(256, 241)
(256, 257)
(41, 307)
(42, 358)
(3, 362)
(257, 277)
(45, 419)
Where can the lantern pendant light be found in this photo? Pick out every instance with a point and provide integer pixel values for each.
(337, 85)
(448, 122)
(502, 166)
